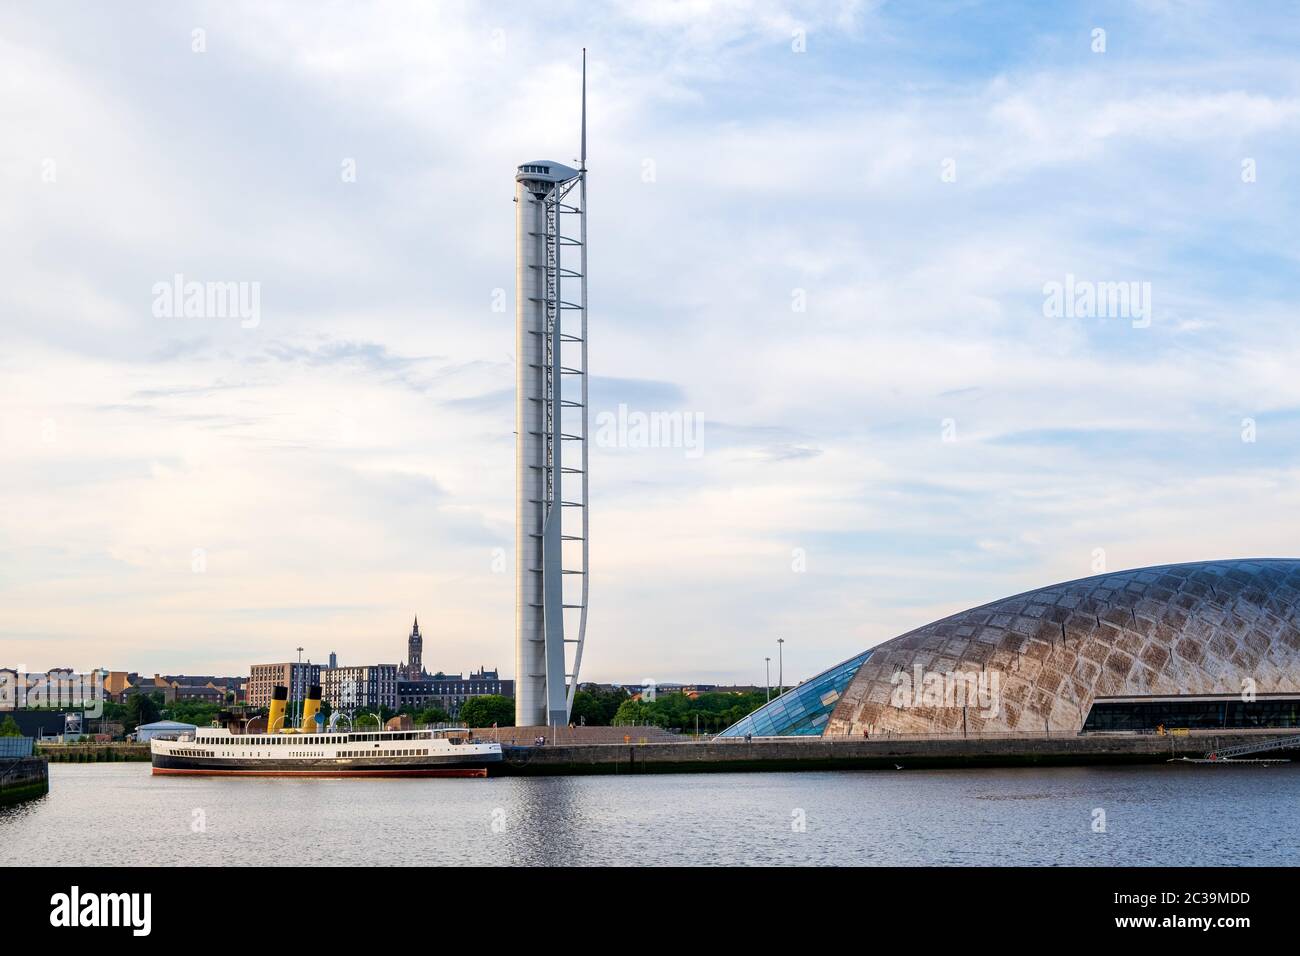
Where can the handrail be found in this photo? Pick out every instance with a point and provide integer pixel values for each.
(1277, 743)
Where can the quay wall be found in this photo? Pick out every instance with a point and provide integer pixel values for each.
(23, 778)
(93, 753)
(854, 754)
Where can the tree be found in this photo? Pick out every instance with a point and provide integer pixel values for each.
(595, 707)
(362, 716)
(431, 715)
(142, 709)
(633, 712)
(716, 710)
(488, 710)
(10, 727)
(200, 713)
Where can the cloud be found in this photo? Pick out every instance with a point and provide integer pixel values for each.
(774, 248)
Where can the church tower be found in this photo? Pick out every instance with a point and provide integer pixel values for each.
(414, 653)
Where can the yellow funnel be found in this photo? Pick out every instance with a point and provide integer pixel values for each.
(275, 716)
(310, 707)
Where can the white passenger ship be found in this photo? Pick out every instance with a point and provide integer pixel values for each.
(320, 752)
(385, 753)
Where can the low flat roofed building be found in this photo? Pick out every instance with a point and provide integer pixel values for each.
(1193, 712)
(146, 732)
(449, 691)
(43, 724)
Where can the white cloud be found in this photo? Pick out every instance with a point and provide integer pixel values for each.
(349, 460)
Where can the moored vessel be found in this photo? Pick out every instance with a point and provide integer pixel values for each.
(332, 752)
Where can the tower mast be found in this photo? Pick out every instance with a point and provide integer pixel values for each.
(550, 411)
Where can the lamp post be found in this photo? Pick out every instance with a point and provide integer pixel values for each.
(297, 714)
(767, 668)
(780, 666)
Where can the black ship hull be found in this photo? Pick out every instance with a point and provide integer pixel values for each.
(451, 765)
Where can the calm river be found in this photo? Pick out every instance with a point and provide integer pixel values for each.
(1178, 815)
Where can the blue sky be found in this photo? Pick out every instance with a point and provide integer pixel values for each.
(187, 494)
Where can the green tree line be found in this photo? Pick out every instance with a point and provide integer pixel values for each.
(711, 711)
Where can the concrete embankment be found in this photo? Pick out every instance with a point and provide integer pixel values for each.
(852, 754)
(93, 753)
(23, 778)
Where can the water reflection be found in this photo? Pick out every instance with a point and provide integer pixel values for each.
(1162, 815)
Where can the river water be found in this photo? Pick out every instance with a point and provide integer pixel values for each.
(1161, 815)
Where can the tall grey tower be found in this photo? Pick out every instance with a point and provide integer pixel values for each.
(550, 432)
(414, 653)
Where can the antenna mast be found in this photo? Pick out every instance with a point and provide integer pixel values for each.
(582, 159)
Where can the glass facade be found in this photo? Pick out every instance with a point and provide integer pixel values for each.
(802, 711)
(1228, 713)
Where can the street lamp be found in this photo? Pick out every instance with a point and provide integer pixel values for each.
(767, 667)
(297, 713)
(780, 666)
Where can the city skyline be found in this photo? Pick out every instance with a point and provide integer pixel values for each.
(813, 241)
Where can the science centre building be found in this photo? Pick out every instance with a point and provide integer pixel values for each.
(1203, 646)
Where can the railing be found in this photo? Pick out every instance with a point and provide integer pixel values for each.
(1289, 742)
(15, 747)
(12, 749)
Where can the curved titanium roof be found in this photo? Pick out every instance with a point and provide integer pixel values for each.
(1203, 628)
(1036, 661)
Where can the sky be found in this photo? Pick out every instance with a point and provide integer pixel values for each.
(836, 235)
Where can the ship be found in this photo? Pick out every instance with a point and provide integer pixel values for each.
(322, 752)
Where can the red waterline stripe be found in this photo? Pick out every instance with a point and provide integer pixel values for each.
(479, 772)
